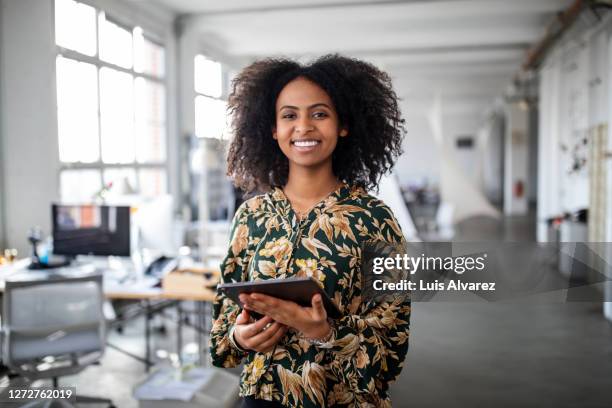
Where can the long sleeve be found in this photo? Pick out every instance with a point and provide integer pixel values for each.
(369, 347)
(372, 346)
(225, 311)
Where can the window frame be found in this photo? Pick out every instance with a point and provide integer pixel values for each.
(96, 61)
(223, 97)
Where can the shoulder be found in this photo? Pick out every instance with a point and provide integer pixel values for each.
(254, 212)
(253, 204)
(376, 216)
(372, 205)
(246, 210)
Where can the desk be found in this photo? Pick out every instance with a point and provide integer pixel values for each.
(201, 298)
(138, 290)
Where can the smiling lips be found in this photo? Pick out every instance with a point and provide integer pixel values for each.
(305, 144)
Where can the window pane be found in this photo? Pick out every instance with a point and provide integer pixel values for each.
(115, 43)
(207, 77)
(75, 26)
(149, 57)
(79, 186)
(152, 182)
(77, 111)
(210, 117)
(117, 116)
(123, 181)
(150, 101)
(151, 143)
(150, 121)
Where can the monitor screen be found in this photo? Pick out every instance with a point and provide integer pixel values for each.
(91, 230)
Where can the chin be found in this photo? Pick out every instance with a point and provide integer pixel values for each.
(308, 162)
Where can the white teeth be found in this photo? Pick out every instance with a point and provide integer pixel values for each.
(306, 143)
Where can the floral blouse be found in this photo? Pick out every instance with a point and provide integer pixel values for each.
(370, 340)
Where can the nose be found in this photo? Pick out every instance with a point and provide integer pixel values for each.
(303, 126)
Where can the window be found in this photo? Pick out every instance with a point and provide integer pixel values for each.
(111, 105)
(212, 133)
(210, 109)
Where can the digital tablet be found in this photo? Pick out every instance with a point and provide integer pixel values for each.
(298, 290)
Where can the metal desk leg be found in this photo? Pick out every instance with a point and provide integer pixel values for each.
(179, 334)
(148, 362)
(200, 324)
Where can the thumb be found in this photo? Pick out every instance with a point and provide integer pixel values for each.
(243, 318)
(317, 305)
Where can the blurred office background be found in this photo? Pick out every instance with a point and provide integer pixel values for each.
(507, 105)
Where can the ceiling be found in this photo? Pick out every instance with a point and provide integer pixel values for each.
(467, 51)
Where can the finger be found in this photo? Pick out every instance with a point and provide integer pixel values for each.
(318, 308)
(268, 344)
(254, 328)
(263, 298)
(263, 302)
(243, 317)
(254, 308)
(272, 340)
(265, 335)
(278, 309)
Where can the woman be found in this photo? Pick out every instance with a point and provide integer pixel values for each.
(314, 136)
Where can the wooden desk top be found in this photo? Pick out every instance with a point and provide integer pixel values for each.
(205, 295)
(118, 291)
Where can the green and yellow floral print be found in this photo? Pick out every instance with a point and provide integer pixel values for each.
(370, 340)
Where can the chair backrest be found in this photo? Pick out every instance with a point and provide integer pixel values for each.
(54, 326)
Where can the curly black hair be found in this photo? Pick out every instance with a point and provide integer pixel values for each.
(364, 100)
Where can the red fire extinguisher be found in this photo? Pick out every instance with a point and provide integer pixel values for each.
(519, 189)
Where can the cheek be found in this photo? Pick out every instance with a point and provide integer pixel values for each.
(332, 135)
(283, 134)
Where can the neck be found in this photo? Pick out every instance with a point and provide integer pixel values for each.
(307, 184)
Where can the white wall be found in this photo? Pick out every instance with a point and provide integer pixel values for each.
(574, 98)
(421, 159)
(470, 161)
(29, 122)
(2, 218)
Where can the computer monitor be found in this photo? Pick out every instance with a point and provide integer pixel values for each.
(91, 230)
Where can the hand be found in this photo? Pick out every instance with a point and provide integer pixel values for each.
(310, 321)
(260, 336)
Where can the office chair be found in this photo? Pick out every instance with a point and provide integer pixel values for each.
(53, 327)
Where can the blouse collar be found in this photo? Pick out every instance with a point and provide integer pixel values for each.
(282, 205)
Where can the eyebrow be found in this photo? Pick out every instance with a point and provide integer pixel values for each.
(310, 107)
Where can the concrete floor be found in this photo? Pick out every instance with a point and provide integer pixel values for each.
(461, 354)
(506, 354)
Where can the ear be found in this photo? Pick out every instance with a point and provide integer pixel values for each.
(343, 132)
(274, 134)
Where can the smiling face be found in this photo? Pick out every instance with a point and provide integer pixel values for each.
(307, 126)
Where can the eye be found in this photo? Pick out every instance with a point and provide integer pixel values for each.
(288, 115)
(320, 115)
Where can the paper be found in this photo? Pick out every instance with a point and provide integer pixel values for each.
(164, 385)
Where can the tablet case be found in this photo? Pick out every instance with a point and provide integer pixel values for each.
(298, 290)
